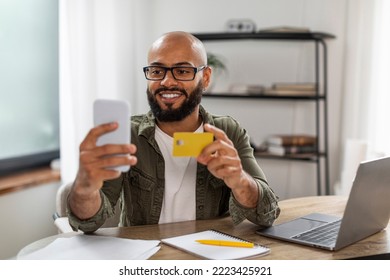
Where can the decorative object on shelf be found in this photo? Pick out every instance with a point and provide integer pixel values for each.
(218, 67)
(215, 62)
(241, 25)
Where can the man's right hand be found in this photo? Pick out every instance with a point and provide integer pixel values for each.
(84, 198)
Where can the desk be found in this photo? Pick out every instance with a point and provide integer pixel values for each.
(291, 208)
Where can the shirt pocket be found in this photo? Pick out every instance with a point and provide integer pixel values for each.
(142, 188)
(139, 180)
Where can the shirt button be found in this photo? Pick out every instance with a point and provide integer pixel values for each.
(200, 207)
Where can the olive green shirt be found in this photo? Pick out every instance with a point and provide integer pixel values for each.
(140, 191)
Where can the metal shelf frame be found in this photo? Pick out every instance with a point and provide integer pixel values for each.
(320, 61)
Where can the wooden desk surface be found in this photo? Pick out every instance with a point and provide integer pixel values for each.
(292, 208)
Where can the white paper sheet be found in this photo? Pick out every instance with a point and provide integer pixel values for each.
(90, 247)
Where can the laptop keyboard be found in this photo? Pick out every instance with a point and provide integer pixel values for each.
(324, 235)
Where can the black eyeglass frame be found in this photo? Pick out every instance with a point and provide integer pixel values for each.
(166, 69)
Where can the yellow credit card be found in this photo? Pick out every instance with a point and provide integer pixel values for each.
(188, 144)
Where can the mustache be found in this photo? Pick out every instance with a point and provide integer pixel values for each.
(171, 89)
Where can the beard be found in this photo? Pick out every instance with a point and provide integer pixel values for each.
(174, 115)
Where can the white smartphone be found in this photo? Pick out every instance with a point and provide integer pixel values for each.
(106, 111)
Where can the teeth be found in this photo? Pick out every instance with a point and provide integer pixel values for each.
(170, 95)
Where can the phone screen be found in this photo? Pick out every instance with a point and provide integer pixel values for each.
(106, 111)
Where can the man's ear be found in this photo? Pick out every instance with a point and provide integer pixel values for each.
(207, 73)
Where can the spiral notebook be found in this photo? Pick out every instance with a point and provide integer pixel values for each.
(189, 244)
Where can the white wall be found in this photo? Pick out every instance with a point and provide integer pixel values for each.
(289, 179)
(25, 216)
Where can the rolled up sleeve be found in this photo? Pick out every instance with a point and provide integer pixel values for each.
(264, 214)
(96, 221)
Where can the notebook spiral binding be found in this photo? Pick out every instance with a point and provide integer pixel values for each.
(236, 237)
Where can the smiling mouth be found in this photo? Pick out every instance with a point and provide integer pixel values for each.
(170, 95)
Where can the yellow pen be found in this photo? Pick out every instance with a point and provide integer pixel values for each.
(226, 243)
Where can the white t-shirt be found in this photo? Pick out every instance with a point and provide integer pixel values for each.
(180, 181)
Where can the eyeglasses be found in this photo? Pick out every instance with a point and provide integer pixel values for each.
(180, 73)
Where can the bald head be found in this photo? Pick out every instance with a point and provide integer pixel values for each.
(172, 47)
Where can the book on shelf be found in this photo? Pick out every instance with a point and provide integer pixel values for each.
(292, 140)
(306, 89)
(280, 150)
(189, 243)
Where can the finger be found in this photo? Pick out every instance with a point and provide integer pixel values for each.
(114, 161)
(216, 149)
(218, 133)
(220, 146)
(227, 172)
(95, 176)
(89, 141)
(113, 149)
(223, 162)
(102, 168)
(90, 159)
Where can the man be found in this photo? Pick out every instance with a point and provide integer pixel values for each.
(160, 188)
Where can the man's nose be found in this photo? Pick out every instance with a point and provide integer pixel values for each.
(169, 79)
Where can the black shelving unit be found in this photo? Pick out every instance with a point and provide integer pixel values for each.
(318, 38)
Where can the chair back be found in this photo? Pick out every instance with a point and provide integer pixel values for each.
(60, 217)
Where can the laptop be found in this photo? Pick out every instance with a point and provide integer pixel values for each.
(367, 212)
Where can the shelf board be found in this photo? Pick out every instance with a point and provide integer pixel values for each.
(263, 96)
(316, 36)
